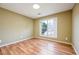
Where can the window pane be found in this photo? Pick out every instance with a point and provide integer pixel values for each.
(44, 27)
(52, 27)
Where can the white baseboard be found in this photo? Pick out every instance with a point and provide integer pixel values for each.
(15, 42)
(75, 50)
(54, 40)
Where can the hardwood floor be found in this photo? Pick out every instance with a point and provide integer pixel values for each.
(37, 47)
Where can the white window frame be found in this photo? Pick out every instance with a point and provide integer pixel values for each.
(47, 28)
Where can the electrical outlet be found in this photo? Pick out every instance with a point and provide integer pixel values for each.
(0, 41)
(66, 38)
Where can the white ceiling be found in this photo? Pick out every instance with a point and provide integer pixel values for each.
(45, 9)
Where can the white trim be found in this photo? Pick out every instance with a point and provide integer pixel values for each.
(54, 40)
(48, 36)
(75, 50)
(15, 42)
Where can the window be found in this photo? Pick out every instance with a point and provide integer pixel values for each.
(48, 28)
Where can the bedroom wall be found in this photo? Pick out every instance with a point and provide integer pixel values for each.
(14, 27)
(75, 27)
(64, 27)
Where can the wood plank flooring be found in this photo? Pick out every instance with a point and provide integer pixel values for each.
(37, 47)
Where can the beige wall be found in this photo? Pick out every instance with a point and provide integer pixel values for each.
(14, 27)
(75, 27)
(64, 26)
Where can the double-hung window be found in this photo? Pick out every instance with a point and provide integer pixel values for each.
(48, 27)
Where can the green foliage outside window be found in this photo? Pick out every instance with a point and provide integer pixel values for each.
(44, 28)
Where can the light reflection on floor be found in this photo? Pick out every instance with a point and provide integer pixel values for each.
(45, 48)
